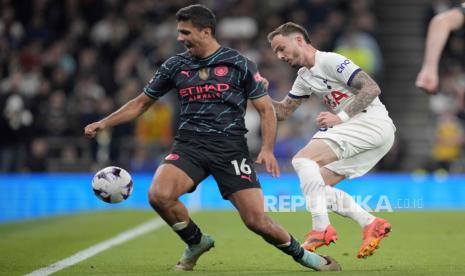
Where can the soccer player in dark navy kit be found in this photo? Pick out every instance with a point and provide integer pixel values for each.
(213, 84)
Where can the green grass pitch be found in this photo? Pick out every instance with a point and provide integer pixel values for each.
(431, 243)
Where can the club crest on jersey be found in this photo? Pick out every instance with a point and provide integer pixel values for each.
(203, 73)
(221, 71)
(327, 85)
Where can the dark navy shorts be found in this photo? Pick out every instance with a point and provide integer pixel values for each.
(227, 159)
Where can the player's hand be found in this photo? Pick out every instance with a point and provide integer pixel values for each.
(327, 120)
(91, 130)
(267, 157)
(428, 81)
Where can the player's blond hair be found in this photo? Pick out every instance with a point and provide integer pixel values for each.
(287, 29)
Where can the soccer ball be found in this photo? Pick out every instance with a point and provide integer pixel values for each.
(112, 184)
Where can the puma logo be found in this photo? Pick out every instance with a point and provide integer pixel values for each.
(246, 177)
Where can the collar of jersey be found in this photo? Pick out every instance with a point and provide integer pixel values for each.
(210, 56)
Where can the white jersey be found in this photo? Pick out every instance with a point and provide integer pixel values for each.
(329, 79)
(365, 138)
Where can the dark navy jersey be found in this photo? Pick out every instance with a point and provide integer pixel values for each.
(213, 92)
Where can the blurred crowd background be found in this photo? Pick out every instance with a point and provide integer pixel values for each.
(64, 64)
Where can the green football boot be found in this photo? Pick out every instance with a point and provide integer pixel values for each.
(319, 262)
(193, 253)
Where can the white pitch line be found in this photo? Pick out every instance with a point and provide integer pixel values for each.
(93, 250)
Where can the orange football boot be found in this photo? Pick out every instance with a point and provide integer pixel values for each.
(315, 239)
(373, 233)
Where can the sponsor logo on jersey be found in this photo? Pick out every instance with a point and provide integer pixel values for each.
(203, 73)
(342, 66)
(221, 71)
(204, 92)
(334, 98)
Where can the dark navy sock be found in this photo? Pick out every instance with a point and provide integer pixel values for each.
(191, 234)
(294, 249)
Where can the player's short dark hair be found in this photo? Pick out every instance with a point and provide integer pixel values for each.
(200, 16)
(287, 29)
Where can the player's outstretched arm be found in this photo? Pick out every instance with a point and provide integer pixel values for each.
(286, 107)
(268, 126)
(366, 90)
(126, 113)
(438, 31)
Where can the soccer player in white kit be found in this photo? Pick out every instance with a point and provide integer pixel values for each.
(352, 138)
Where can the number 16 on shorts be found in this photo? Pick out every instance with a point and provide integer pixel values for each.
(243, 168)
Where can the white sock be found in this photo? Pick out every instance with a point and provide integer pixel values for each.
(313, 188)
(343, 204)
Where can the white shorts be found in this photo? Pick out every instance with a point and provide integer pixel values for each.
(360, 142)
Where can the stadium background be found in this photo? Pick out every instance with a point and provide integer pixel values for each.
(64, 64)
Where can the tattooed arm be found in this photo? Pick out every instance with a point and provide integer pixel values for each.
(286, 107)
(366, 91)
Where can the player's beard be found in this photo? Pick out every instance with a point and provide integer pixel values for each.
(295, 65)
(296, 61)
(190, 49)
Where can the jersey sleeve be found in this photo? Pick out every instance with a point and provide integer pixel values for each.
(253, 84)
(161, 82)
(299, 90)
(340, 68)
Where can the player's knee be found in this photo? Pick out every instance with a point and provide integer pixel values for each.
(304, 163)
(304, 155)
(309, 174)
(159, 199)
(257, 224)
